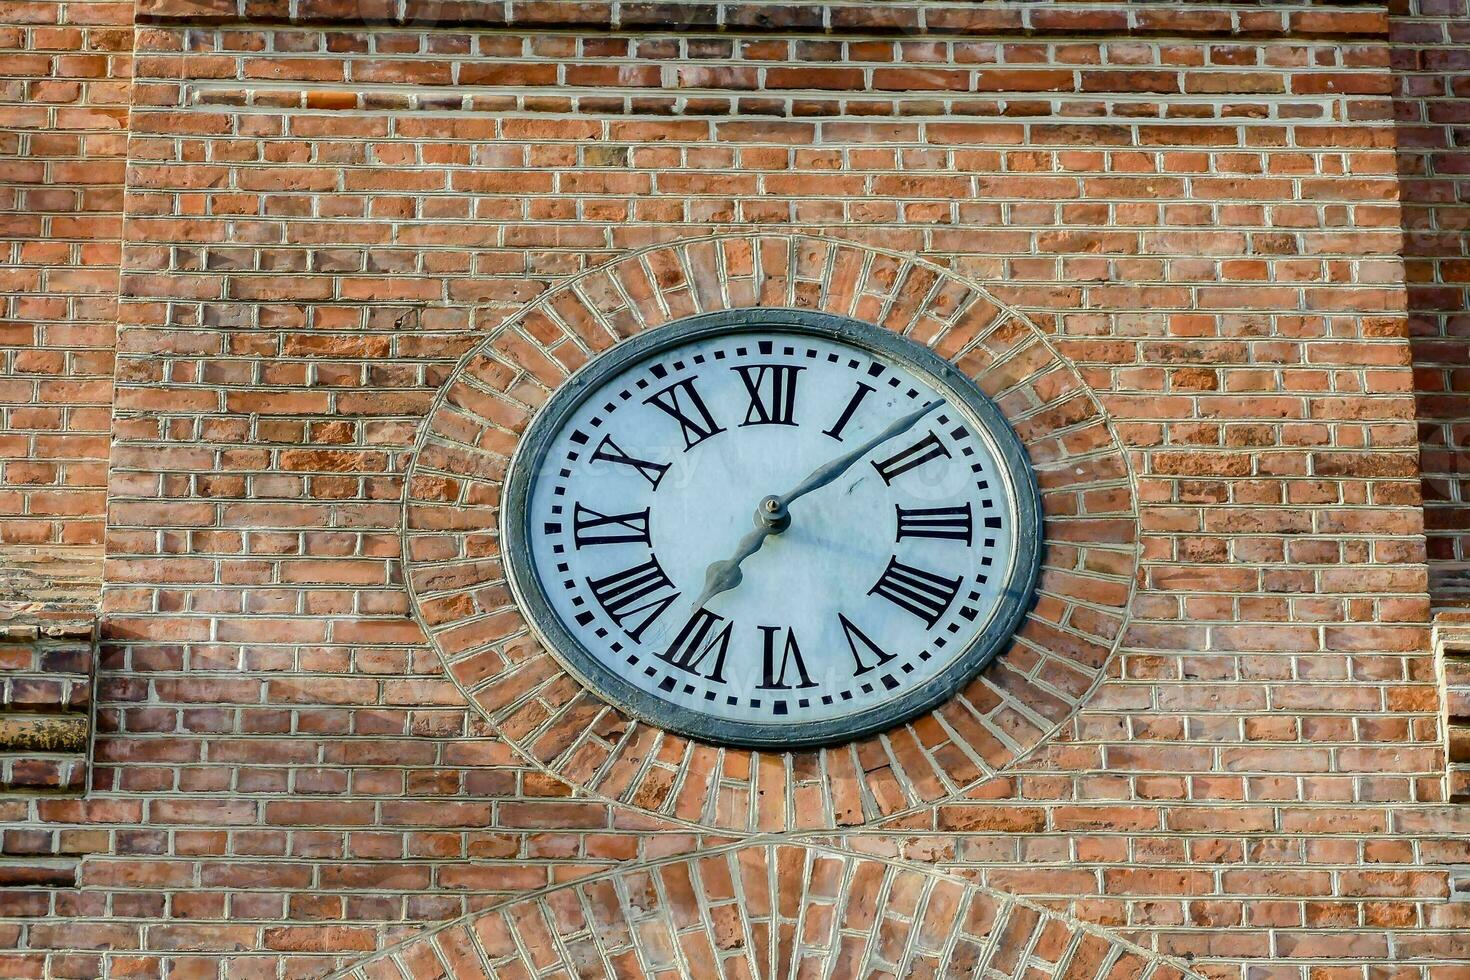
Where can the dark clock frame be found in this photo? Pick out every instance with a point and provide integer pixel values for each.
(1023, 499)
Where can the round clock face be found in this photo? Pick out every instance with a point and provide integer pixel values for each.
(771, 528)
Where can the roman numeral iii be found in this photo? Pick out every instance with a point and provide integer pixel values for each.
(681, 402)
(951, 523)
(914, 590)
(772, 390)
(914, 456)
(591, 527)
(634, 597)
(608, 452)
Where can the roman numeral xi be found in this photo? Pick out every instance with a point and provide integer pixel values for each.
(681, 402)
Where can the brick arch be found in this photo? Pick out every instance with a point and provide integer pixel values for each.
(1015, 704)
(768, 911)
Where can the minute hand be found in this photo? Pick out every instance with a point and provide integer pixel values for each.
(722, 576)
(827, 473)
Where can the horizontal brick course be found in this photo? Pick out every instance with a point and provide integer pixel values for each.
(1167, 240)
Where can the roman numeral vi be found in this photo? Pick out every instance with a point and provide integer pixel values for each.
(773, 675)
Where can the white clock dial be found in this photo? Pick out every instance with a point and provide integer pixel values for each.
(899, 532)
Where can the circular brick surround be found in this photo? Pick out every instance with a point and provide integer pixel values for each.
(1018, 701)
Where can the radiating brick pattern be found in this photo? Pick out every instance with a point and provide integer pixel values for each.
(763, 911)
(460, 594)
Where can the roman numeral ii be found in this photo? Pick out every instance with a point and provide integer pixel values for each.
(916, 455)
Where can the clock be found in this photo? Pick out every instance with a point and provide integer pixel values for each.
(771, 528)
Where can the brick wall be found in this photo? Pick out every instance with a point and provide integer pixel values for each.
(63, 137)
(1196, 212)
(1430, 58)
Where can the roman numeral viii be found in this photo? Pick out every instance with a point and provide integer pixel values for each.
(591, 527)
(608, 452)
(634, 597)
(953, 523)
(914, 590)
(916, 455)
(682, 403)
(772, 389)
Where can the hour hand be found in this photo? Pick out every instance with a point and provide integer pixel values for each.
(722, 576)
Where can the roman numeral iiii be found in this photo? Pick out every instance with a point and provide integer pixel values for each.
(914, 590)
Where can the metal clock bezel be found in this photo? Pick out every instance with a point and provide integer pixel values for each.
(1018, 585)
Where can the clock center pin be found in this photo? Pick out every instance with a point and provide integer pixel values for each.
(772, 513)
